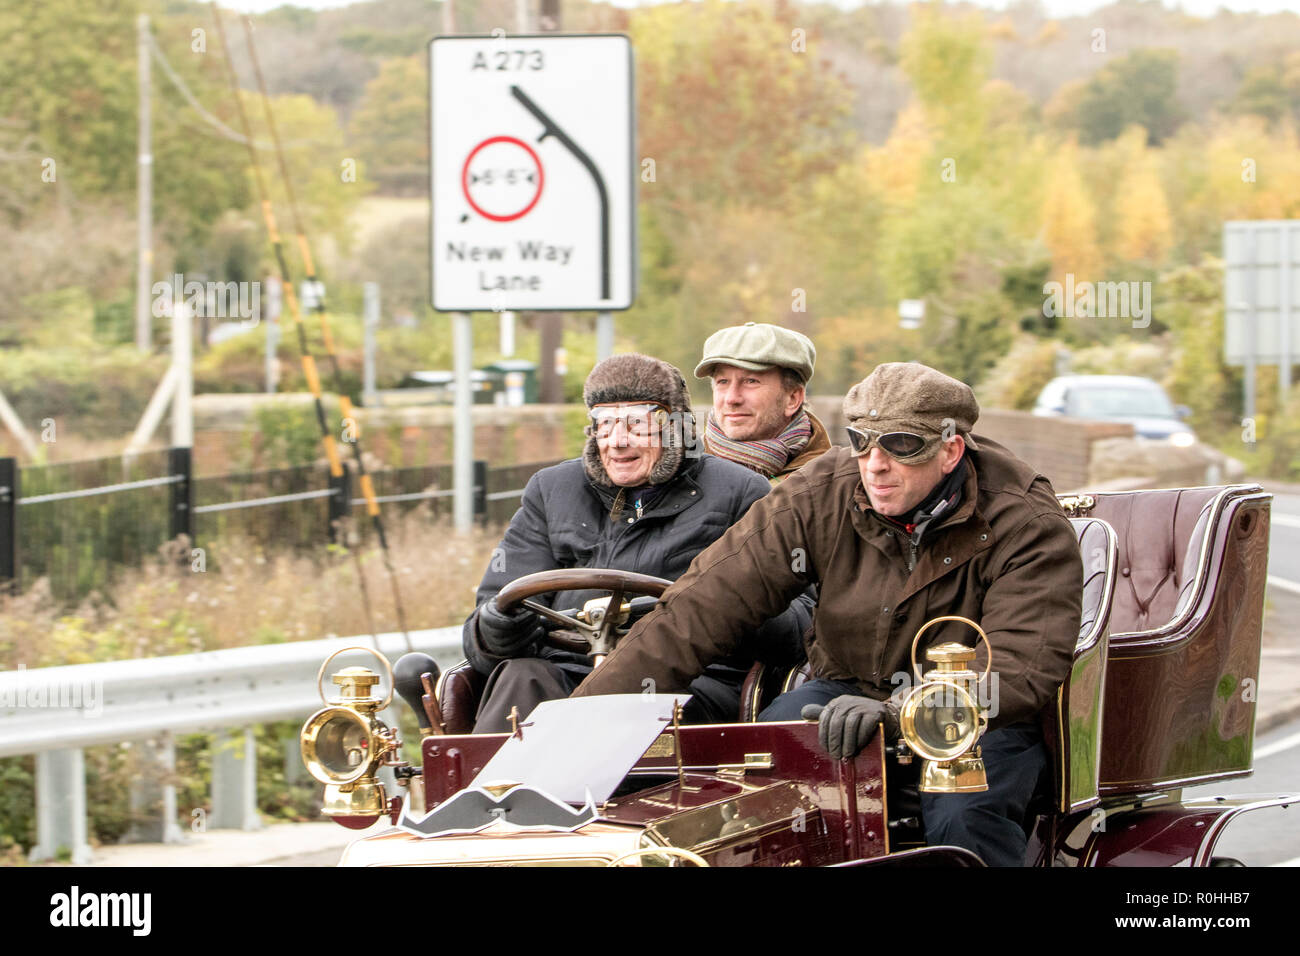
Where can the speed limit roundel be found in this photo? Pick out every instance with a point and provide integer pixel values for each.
(502, 178)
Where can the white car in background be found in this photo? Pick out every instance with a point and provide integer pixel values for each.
(1118, 398)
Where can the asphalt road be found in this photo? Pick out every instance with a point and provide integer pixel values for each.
(1284, 541)
(1271, 836)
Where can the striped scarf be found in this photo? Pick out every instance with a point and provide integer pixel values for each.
(766, 456)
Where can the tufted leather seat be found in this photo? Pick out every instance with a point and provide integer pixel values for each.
(459, 690)
(1160, 538)
(1183, 655)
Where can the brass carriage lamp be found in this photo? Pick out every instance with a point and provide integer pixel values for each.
(344, 743)
(942, 719)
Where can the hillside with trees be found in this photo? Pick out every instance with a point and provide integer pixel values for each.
(812, 166)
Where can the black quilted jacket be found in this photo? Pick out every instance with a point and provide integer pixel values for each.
(564, 521)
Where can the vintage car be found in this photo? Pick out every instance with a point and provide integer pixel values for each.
(1160, 697)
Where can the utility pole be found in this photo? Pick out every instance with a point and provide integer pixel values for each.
(183, 363)
(550, 325)
(506, 327)
(144, 194)
(462, 462)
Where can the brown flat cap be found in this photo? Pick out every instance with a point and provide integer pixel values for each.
(910, 397)
(758, 346)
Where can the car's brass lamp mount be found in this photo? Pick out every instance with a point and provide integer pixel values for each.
(942, 718)
(344, 743)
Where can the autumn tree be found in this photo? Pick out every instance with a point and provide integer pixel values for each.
(1069, 226)
(1138, 88)
(390, 127)
(1144, 230)
(731, 104)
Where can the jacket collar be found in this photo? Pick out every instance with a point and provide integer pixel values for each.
(965, 508)
(818, 444)
(678, 493)
(965, 533)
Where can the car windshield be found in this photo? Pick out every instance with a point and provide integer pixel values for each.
(1119, 402)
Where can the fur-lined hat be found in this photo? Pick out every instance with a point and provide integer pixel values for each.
(640, 378)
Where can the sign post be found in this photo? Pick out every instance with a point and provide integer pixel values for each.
(533, 187)
(1261, 285)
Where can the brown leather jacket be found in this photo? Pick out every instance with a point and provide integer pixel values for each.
(1006, 558)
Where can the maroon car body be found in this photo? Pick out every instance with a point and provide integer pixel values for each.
(1160, 696)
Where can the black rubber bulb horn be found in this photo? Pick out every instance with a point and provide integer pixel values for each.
(414, 676)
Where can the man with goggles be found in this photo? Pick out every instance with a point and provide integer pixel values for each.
(917, 518)
(901, 446)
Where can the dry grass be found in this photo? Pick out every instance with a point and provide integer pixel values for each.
(246, 596)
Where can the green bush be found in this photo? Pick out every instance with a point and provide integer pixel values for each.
(290, 434)
(17, 807)
(94, 394)
(1017, 378)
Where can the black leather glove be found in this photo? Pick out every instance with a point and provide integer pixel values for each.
(847, 723)
(507, 635)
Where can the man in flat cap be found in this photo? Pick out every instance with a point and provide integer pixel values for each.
(915, 519)
(760, 373)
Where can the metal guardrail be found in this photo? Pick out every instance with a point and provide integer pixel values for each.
(55, 712)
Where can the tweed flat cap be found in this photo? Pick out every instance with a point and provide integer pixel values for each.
(910, 397)
(758, 346)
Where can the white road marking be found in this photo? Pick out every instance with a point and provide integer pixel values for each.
(1282, 584)
(1287, 521)
(1277, 746)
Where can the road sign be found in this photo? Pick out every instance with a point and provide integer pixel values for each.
(533, 173)
(1261, 291)
(910, 313)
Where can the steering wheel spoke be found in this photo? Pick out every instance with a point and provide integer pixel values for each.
(556, 617)
(600, 636)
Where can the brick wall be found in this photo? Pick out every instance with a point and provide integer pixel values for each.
(224, 435)
(1061, 448)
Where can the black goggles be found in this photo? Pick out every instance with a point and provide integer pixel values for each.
(900, 445)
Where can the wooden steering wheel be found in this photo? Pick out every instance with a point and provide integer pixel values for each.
(596, 626)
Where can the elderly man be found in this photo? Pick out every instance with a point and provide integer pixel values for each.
(917, 518)
(759, 374)
(635, 501)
